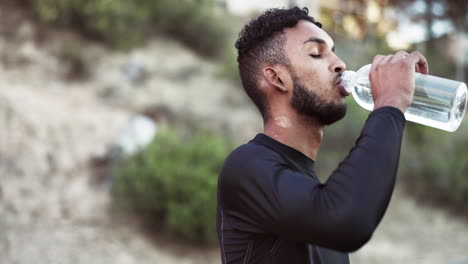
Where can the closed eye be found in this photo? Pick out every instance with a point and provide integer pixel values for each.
(315, 56)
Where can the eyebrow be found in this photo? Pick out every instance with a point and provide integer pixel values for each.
(319, 41)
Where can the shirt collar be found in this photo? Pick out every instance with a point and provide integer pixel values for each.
(279, 147)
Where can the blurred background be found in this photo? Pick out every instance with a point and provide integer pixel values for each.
(116, 116)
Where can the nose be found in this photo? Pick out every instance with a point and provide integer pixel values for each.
(338, 66)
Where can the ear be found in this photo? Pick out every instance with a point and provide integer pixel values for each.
(276, 77)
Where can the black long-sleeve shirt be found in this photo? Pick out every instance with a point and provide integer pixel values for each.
(272, 208)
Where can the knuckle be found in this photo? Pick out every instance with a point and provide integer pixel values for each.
(402, 52)
(377, 57)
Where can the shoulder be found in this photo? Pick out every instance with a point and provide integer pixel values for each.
(248, 163)
(250, 156)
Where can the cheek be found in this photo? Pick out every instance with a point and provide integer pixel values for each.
(314, 73)
(318, 83)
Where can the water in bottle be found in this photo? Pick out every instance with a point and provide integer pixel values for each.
(437, 102)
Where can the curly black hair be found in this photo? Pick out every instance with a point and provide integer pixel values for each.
(261, 42)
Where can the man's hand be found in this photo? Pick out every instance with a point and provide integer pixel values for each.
(392, 78)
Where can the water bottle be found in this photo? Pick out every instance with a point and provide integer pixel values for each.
(437, 102)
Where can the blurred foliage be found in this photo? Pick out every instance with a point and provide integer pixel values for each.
(175, 181)
(126, 23)
(434, 163)
(453, 10)
(229, 68)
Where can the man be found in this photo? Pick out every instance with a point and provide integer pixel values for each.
(271, 206)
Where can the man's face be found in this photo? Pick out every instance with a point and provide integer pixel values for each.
(315, 72)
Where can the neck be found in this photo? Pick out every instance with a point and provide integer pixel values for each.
(302, 134)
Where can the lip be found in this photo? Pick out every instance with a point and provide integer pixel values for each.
(342, 87)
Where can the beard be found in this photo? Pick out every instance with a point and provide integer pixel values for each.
(310, 105)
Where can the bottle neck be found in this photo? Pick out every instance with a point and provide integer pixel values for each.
(349, 79)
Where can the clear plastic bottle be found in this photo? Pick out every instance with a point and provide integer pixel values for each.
(437, 102)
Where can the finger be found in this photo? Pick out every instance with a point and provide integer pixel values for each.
(387, 59)
(399, 55)
(420, 62)
(377, 59)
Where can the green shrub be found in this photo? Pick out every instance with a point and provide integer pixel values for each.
(434, 162)
(126, 23)
(175, 181)
(228, 68)
(194, 23)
